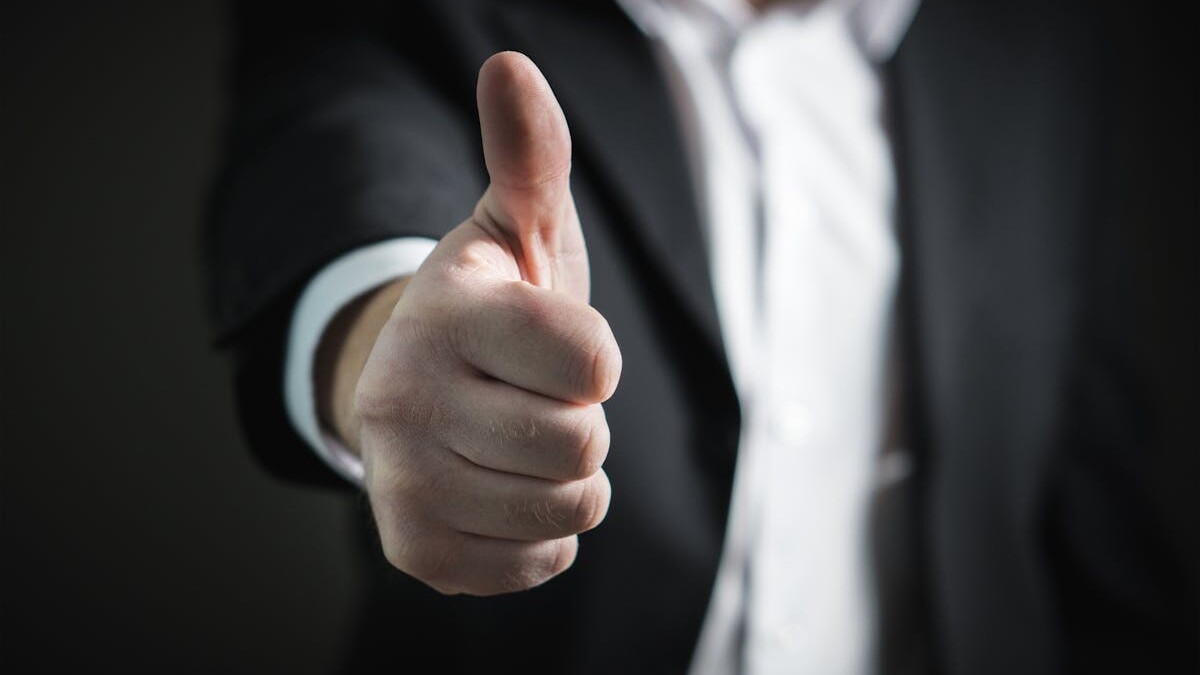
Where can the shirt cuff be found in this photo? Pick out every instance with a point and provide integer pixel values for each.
(335, 286)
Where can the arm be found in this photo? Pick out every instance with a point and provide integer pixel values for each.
(472, 390)
(335, 141)
(326, 298)
(343, 352)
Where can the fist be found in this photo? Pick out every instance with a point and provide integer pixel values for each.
(478, 409)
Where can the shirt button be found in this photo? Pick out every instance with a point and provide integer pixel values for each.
(786, 636)
(792, 423)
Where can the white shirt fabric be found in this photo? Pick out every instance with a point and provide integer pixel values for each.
(782, 118)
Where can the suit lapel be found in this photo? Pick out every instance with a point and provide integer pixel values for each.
(991, 144)
(622, 123)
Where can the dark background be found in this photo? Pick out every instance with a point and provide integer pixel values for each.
(137, 536)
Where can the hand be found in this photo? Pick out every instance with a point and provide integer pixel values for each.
(477, 413)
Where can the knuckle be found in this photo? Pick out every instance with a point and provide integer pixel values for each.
(373, 403)
(434, 565)
(462, 329)
(536, 515)
(396, 401)
(398, 550)
(472, 319)
(434, 331)
(433, 487)
(606, 364)
(528, 306)
(422, 418)
(520, 431)
(591, 504)
(406, 544)
(444, 589)
(474, 257)
(380, 386)
(565, 551)
(589, 441)
(394, 551)
(536, 565)
(519, 578)
(403, 416)
(597, 366)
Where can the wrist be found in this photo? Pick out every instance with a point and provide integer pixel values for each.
(342, 354)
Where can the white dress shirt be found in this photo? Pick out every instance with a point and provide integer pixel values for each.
(782, 117)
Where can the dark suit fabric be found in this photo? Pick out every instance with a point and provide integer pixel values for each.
(1039, 527)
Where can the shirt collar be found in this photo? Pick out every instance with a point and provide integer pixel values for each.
(878, 26)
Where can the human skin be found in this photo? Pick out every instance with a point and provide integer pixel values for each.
(472, 390)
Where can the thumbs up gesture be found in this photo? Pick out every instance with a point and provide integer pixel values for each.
(477, 412)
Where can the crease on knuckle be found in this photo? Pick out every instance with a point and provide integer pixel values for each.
(594, 367)
(587, 508)
(403, 403)
(398, 541)
(532, 568)
(516, 579)
(589, 443)
(372, 403)
(425, 417)
(431, 488)
(523, 430)
(394, 552)
(564, 555)
(436, 568)
(539, 515)
(606, 363)
(461, 332)
(528, 307)
(472, 260)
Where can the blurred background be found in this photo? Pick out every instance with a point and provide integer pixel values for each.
(138, 536)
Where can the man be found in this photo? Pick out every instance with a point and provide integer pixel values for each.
(465, 390)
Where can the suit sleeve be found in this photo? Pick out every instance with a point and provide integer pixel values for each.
(337, 138)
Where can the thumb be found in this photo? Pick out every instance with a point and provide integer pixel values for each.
(527, 149)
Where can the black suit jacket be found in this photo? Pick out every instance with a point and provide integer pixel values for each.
(1043, 525)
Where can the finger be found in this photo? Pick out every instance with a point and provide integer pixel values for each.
(453, 562)
(542, 341)
(526, 144)
(527, 149)
(508, 429)
(471, 499)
